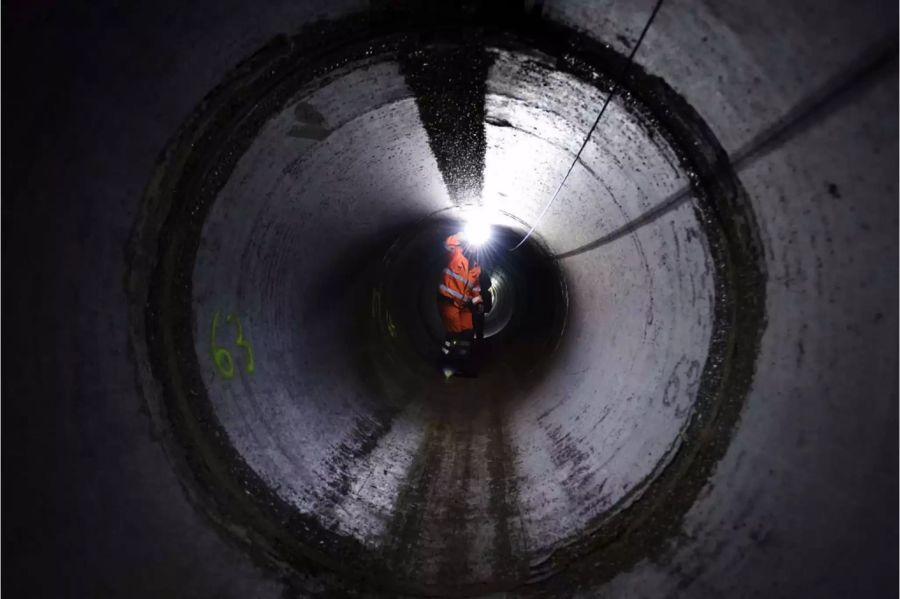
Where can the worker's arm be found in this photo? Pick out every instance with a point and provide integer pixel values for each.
(474, 296)
(473, 289)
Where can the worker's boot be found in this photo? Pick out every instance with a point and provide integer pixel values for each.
(446, 359)
(464, 354)
(457, 355)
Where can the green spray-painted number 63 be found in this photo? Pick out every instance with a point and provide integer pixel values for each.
(221, 356)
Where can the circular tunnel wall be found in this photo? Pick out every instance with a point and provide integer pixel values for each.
(292, 354)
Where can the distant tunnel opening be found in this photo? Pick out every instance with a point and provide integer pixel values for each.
(290, 311)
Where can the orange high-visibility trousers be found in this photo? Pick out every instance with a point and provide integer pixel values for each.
(455, 319)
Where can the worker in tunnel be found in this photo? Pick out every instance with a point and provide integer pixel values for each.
(459, 296)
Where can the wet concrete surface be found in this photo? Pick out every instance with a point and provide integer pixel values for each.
(713, 414)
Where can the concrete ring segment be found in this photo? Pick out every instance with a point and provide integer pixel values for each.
(305, 436)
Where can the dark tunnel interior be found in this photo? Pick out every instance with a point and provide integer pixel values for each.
(223, 234)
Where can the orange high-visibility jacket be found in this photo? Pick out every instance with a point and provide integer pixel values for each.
(459, 282)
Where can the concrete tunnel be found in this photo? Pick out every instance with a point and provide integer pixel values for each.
(222, 228)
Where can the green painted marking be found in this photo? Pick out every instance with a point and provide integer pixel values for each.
(392, 328)
(221, 357)
(243, 343)
(380, 314)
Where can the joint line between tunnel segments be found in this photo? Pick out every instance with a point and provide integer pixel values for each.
(609, 97)
(819, 106)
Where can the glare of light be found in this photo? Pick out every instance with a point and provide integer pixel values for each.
(477, 231)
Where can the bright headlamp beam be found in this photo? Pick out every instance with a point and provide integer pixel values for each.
(477, 229)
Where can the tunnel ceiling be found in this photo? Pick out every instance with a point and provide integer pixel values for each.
(301, 422)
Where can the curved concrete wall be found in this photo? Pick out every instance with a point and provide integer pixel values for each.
(282, 248)
(808, 480)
